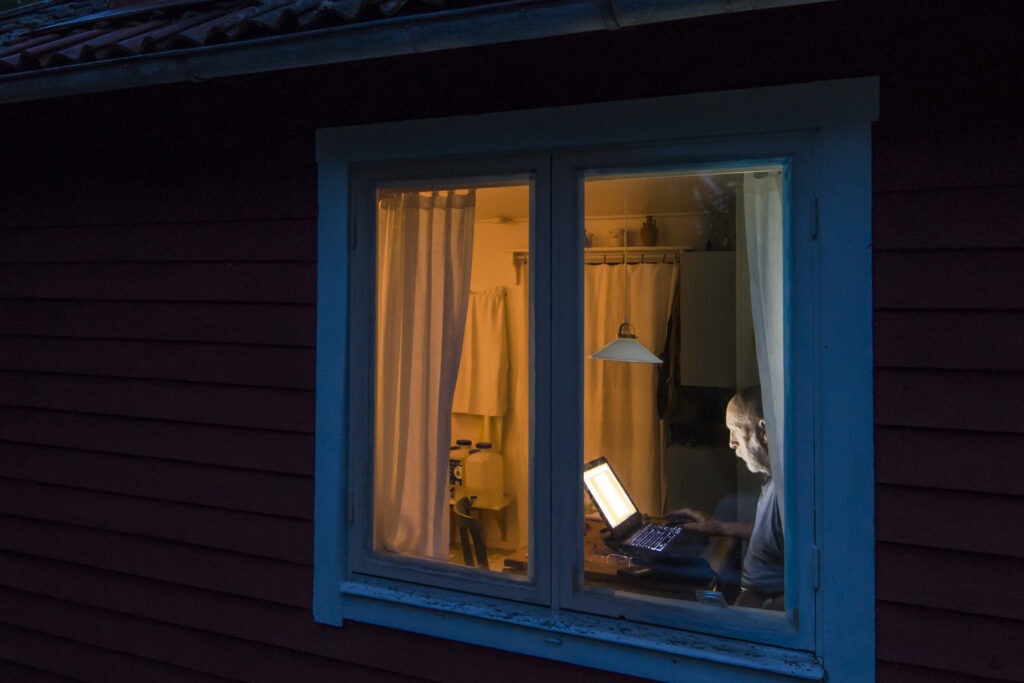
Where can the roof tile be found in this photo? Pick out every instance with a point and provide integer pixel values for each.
(53, 33)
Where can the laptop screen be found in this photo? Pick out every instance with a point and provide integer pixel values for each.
(608, 494)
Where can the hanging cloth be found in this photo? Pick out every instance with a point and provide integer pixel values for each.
(763, 230)
(482, 387)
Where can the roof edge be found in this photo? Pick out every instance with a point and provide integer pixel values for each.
(444, 30)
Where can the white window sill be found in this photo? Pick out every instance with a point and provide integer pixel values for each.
(608, 644)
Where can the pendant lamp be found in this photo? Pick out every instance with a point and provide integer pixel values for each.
(625, 348)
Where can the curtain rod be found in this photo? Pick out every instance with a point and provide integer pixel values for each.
(611, 255)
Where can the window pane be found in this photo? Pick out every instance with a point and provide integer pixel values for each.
(451, 448)
(684, 499)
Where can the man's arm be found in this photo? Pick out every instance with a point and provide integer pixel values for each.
(706, 524)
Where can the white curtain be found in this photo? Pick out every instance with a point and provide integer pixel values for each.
(762, 210)
(620, 414)
(746, 346)
(482, 387)
(424, 254)
(516, 423)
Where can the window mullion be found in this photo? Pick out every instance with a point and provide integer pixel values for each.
(566, 378)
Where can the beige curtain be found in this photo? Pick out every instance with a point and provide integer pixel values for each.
(482, 387)
(620, 416)
(425, 247)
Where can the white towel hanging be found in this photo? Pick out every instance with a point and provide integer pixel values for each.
(482, 386)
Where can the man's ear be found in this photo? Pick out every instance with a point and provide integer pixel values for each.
(761, 432)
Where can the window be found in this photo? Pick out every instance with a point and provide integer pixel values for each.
(482, 469)
(703, 241)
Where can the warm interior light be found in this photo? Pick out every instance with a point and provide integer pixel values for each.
(626, 349)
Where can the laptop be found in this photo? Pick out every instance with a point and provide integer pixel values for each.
(627, 531)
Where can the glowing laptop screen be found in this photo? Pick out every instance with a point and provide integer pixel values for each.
(608, 494)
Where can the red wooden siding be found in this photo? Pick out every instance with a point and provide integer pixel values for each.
(949, 324)
(157, 333)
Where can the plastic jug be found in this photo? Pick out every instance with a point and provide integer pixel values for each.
(484, 476)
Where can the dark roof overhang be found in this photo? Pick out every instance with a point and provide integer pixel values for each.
(443, 29)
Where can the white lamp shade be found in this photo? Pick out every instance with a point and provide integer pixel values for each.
(625, 349)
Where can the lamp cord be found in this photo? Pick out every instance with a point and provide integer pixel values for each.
(625, 255)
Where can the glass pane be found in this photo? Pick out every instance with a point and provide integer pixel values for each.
(684, 500)
(451, 448)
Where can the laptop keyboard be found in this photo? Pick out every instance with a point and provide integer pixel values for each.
(654, 537)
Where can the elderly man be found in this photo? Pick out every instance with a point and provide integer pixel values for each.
(763, 572)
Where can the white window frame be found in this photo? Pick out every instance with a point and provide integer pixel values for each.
(829, 124)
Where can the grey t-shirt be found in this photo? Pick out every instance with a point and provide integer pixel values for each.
(763, 568)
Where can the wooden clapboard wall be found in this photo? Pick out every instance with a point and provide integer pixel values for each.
(949, 355)
(157, 291)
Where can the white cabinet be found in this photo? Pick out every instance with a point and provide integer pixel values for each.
(708, 319)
